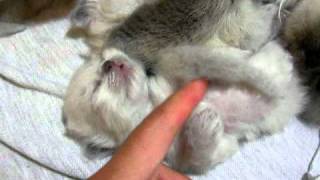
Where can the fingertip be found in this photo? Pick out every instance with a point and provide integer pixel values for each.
(181, 104)
(156, 133)
(201, 83)
(197, 88)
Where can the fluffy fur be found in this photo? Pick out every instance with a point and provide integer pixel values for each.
(245, 24)
(244, 102)
(302, 36)
(109, 96)
(98, 17)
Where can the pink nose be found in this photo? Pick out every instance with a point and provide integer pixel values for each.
(112, 65)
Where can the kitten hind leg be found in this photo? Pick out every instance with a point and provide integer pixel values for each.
(202, 144)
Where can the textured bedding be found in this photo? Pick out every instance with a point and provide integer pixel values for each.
(31, 121)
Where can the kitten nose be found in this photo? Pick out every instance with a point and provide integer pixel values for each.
(107, 66)
(110, 65)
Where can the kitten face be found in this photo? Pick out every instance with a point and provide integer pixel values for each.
(105, 100)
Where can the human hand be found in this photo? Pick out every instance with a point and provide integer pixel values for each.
(141, 154)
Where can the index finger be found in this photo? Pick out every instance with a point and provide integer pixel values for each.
(147, 145)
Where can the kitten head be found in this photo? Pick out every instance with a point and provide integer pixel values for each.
(106, 100)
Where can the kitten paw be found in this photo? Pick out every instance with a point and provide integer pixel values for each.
(205, 125)
(83, 15)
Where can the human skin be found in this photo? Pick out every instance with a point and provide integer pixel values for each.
(141, 155)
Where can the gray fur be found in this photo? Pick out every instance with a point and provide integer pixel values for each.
(179, 22)
(104, 116)
(158, 24)
(302, 35)
(183, 40)
(169, 23)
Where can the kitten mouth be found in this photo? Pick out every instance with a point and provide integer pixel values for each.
(115, 79)
(111, 81)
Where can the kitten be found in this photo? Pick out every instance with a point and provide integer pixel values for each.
(302, 35)
(145, 60)
(106, 100)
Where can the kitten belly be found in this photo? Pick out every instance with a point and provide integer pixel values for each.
(238, 106)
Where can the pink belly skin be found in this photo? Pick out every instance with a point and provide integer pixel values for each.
(238, 105)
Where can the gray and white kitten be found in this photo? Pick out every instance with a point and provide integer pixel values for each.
(152, 53)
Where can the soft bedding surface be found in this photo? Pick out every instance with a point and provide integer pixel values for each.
(31, 121)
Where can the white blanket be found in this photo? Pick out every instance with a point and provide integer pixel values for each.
(31, 121)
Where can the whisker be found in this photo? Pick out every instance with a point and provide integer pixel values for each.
(280, 9)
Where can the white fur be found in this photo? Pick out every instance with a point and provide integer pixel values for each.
(249, 94)
(103, 15)
(239, 80)
(246, 26)
(101, 114)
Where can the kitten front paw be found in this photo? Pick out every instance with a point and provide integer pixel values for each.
(83, 14)
(204, 125)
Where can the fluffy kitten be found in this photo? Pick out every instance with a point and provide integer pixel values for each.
(107, 100)
(302, 35)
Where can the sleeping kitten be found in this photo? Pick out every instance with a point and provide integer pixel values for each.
(302, 35)
(106, 100)
(145, 60)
